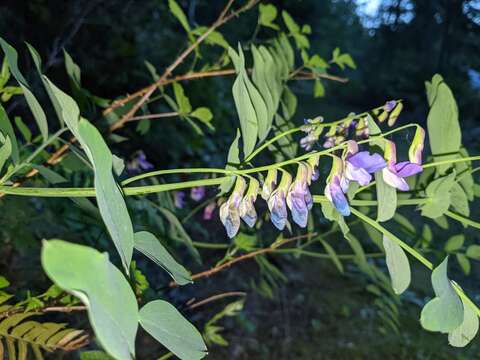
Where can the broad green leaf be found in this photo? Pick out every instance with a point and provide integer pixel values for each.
(24, 130)
(333, 256)
(432, 87)
(274, 82)
(318, 89)
(32, 101)
(454, 243)
(161, 320)
(465, 333)
(459, 200)
(267, 14)
(151, 247)
(439, 196)
(443, 126)
(89, 275)
(287, 50)
(473, 252)
(386, 198)
(7, 130)
(464, 263)
(398, 265)
(177, 11)
(444, 313)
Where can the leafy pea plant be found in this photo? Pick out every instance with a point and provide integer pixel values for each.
(352, 168)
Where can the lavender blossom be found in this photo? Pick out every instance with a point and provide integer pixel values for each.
(334, 191)
(208, 211)
(247, 208)
(359, 165)
(229, 211)
(197, 193)
(276, 202)
(395, 173)
(179, 199)
(299, 199)
(138, 163)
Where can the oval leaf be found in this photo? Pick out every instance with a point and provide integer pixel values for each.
(398, 265)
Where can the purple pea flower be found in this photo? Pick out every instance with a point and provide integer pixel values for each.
(360, 164)
(139, 162)
(334, 191)
(208, 211)
(390, 105)
(179, 199)
(395, 173)
(229, 211)
(247, 208)
(197, 193)
(276, 202)
(299, 199)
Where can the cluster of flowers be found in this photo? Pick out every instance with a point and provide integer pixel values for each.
(349, 129)
(353, 166)
(291, 193)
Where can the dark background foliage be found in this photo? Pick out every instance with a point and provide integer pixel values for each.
(315, 313)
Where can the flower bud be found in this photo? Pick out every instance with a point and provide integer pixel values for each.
(276, 202)
(247, 208)
(229, 211)
(269, 184)
(416, 148)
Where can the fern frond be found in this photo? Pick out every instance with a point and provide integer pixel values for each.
(20, 335)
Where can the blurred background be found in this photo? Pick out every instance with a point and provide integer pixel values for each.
(309, 310)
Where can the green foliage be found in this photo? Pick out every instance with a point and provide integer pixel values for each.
(212, 331)
(398, 265)
(386, 197)
(161, 320)
(90, 276)
(267, 14)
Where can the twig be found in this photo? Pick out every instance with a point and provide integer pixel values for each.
(154, 116)
(253, 254)
(63, 309)
(215, 298)
(222, 19)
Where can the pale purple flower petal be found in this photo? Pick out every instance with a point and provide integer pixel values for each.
(179, 199)
(334, 193)
(230, 217)
(278, 209)
(370, 162)
(208, 211)
(297, 203)
(394, 180)
(357, 174)
(406, 168)
(197, 193)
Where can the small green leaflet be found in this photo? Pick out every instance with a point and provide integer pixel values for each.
(398, 265)
(177, 11)
(465, 333)
(473, 252)
(444, 313)
(89, 275)
(454, 243)
(161, 320)
(333, 255)
(5, 150)
(151, 247)
(33, 104)
(267, 14)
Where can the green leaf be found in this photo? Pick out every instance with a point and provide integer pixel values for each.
(38, 64)
(439, 196)
(7, 129)
(318, 89)
(290, 23)
(245, 242)
(177, 11)
(464, 263)
(5, 150)
(204, 115)
(473, 252)
(32, 101)
(24, 130)
(109, 195)
(267, 14)
(4, 73)
(444, 313)
(3, 282)
(398, 265)
(465, 333)
(161, 320)
(214, 38)
(151, 247)
(459, 200)
(454, 243)
(95, 355)
(386, 197)
(443, 126)
(88, 274)
(183, 102)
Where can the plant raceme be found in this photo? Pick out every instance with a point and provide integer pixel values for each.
(349, 164)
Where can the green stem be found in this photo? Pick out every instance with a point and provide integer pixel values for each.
(462, 219)
(205, 245)
(451, 161)
(324, 255)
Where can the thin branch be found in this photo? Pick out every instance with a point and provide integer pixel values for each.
(63, 309)
(154, 116)
(222, 19)
(215, 298)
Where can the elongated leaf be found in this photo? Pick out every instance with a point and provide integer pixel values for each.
(333, 255)
(444, 313)
(386, 198)
(454, 243)
(7, 130)
(109, 196)
(161, 320)
(439, 196)
(89, 275)
(5, 150)
(151, 247)
(267, 14)
(177, 11)
(32, 101)
(398, 265)
(465, 333)
(443, 126)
